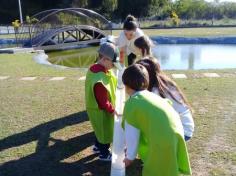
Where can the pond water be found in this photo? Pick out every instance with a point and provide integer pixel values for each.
(171, 57)
(7, 46)
(75, 58)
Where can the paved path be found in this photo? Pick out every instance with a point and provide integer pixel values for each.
(174, 76)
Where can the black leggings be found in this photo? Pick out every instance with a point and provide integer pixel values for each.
(131, 59)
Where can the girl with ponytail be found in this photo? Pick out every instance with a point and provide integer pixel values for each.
(143, 45)
(125, 42)
(161, 84)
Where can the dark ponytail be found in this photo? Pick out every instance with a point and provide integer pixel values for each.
(144, 44)
(130, 23)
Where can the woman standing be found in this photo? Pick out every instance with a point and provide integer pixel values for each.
(126, 39)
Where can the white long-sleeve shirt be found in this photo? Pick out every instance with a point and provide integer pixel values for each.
(132, 134)
(123, 42)
(183, 110)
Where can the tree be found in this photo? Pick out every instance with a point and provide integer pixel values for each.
(141, 8)
(159, 8)
(119, 9)
(184, 9)
(108, 7)
(80, 3)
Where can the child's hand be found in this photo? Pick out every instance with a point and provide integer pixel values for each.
(116, 113)
(127, 162)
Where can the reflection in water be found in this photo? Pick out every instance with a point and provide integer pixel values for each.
(2, 46)
(184, 57)
(171, 57)
(77, 58)
(191, 61)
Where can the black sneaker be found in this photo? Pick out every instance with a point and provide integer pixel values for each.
(95, 149)
(105, 157)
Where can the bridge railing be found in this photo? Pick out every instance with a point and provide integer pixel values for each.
(54, 19)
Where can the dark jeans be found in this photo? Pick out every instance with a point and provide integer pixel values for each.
(187, 138)
(131, 59)
(103, 148)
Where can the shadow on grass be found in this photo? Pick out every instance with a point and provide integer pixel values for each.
(42, 132)
(48, 160)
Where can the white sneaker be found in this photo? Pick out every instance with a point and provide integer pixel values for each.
(95, 150)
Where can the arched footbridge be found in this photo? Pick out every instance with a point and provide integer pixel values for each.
(64, 28)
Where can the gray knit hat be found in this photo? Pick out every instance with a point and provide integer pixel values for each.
(110, 51)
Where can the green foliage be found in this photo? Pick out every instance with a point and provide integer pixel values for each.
(30, 20)
(108, 7)
(119, 9)
(69, 19)
(80, 3)
(142, 8)
(200, 9)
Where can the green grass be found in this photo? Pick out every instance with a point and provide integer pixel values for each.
(214, 111)
(6, 36)
(23, 65)
(189, 32)
(183, 32)
(44, 129)
(150, 23)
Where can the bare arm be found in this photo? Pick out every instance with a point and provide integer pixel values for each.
(122, 55)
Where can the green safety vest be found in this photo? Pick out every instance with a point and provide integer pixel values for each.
(102, 121)
(161, 145)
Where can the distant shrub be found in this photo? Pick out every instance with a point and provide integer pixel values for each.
(226, 20)
(174, 19)
(16, 24)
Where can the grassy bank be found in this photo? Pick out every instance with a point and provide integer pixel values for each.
(44, 129)
(150, 23)
(189, 32)
(184, 32)
(23, 65)
(6, 36)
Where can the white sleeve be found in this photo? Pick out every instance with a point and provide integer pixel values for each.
(139, 33)
(187, 122)
(121, 40)
(132, 140)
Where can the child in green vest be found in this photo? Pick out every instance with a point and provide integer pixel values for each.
(161, 84)
(100, 88)
(152, 128)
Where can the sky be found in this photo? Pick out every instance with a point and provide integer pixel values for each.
(222, 0)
